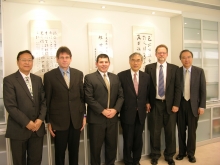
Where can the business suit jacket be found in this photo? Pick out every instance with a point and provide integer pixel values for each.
(96, 95)
(172, 89)
(64, 104)
(132, 101)
(197, 88)
(21, 107)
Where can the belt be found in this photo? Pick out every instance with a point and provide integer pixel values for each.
(162, 100)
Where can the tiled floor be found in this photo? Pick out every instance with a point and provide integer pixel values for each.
(205, 155)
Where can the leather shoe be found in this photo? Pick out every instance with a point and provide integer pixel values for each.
(154, 161)
(192, 159)
(170, 161)
(180, 157)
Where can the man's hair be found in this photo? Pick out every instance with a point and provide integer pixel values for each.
(185, 50)
(136, 53)
(63, 49)
(102, 56)
(161, 46)
(24, 51)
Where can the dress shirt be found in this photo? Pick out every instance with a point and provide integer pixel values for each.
(23, 75)
(67, 72)
(102, 74)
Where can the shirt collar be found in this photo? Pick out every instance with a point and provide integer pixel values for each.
(67, 71)
(24, 75)
(132, 72)
(106, 73)
(184, 69)
(164, 64)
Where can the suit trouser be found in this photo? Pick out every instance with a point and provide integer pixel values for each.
(186, 120)
(31, 147)
(157, 119)
(68, 137)
(133, 142)
(98, 133)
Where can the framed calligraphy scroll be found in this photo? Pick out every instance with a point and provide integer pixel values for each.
(100, 41)
(143, 43)
(45, 40)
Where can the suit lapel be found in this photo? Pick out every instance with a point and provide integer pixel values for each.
(181, 79)
(60, 77)
(153, 74)
(169, 71)
(193, 77)
(100, 78)
(23, 84)
(130, 81)
(34, 86)
(72, 77)
(141, 81)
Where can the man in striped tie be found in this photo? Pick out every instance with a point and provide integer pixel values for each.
(164, 102)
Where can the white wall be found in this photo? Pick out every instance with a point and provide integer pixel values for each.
(74, 21)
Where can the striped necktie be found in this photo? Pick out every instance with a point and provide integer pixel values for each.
(27, 81)
(161, 82)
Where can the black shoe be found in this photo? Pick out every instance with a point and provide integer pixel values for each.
(180, 157)
(192, 159)
(137, 163)
(154, 161)
(170, 161)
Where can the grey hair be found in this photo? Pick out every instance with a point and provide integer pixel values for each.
(136, 53)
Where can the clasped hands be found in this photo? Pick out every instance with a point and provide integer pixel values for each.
(109, 113)
(34, 126)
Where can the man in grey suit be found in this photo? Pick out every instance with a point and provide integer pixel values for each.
(136, 87)
(104, 96)
(24, 100)
(65, 107)
(164, 102)
(193, 102)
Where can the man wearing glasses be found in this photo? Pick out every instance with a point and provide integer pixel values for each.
(164, 102)
(24, 100)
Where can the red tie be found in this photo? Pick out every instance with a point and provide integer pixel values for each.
(135, 83)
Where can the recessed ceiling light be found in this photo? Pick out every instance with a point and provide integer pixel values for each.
(41, 1)
(153, 12)
(185, 23)
(197, 33)
(103, 7)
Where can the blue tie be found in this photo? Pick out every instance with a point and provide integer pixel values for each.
(161, 82)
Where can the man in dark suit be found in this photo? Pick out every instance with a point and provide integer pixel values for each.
(104, 96)
(164, 101)
(65, 107)
(24, 100)
(193, 102)
(136, 86)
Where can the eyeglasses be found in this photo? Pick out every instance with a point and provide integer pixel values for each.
(137, 61)
(26, 60)
(161, 53)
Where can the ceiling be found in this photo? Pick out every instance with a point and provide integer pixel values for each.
(167, 8)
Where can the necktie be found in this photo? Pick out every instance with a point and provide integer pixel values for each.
(187, 86)
(29, 86)
(66, 78)
(108, 87)
(135, 83)
(161, 82)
